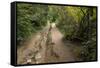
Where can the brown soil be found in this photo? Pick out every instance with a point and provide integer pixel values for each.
(34, 52)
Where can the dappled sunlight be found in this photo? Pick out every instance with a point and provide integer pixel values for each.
(50, 34)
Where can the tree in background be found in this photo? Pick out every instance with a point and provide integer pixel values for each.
(74, 22)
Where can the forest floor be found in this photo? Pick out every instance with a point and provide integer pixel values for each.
(58, 51)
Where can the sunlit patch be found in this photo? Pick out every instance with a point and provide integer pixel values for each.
(53, 25)
(52, 34)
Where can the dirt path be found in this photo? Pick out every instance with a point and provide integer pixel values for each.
(59, 48)
(33, 51)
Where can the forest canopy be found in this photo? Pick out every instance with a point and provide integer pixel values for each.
(74, 22)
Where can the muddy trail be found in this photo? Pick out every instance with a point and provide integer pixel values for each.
(47, 46)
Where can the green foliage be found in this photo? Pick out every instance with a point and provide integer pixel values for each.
(30, 19)
(89, 41)
(79, 23)
(75, 23)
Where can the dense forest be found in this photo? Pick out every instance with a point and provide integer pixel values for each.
(76, 23)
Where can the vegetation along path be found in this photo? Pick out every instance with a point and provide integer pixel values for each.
(73, 37)
(46, 46)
